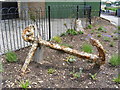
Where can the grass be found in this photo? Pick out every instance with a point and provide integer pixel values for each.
(51, 71)
(57, 39)
(114, 60)
(66, 45)
(117, 80)
(87, 48)
(11, 56)
(24, 84)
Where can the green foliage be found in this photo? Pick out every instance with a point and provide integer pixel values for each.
(57, 39)
(105, 38)
(90, 27)
(99, 35)
(76, 74)
(101, 28)
(112, 44)
(118, 27)
(24, 84)
(1, 67)
(32, 16)
(51, 71)
(115, 37)
(114, 60)
(63, 34)
(87, 48)
(11, 56)
(117, 80)
(80, 32)
(92, 31)
(93, 76)
(71, 32)
(70, 59)
(66, 45)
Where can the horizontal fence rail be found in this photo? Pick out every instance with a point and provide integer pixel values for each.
(50, 22)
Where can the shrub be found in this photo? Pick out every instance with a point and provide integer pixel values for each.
(114, 60)
(87, 48)
(71, 32)
(50, 71)
(66, 45)
(106, 38)
(11, 56)
(24, 84)
(117, 80)
(57, 39)
(90, 27)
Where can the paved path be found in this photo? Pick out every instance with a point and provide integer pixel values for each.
(114, 20)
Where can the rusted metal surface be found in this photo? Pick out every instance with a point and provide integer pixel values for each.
(97, 59)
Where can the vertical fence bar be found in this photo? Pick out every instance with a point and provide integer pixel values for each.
(49, 22)
(89, 14)
(77, 11)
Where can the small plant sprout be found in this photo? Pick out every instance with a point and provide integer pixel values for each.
(57, 39)
(87, 48)
(115, 37)
(63, 34)
(115, 60)
(93, 76)
(80, 32)
(99, 35)
(71, 32)
(92, 31)
(111, 44)
(24, 84)
(101, 28)
(90, 27)
(117, 80)
(70, 59)
(76, 74)
(11, 56)
(51, 71)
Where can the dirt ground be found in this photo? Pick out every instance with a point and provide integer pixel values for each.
(39, 77)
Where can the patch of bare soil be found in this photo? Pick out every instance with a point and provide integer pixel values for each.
(39, 77)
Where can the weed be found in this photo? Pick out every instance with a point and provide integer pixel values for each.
(87, 48)
(112, 44)
(66, 45)
(70, 59)
(106, 38)
(24, 84)
(71, 32)
(93, 76)
(80, 32)
(76, 74)
(90, 27)
(114, 60)
(57, 39)
(115, 37)
(11, 56)
(101, 28)
(117, 80)
(51, 71)
(63, 34)
(92, 31)
(99, 35)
